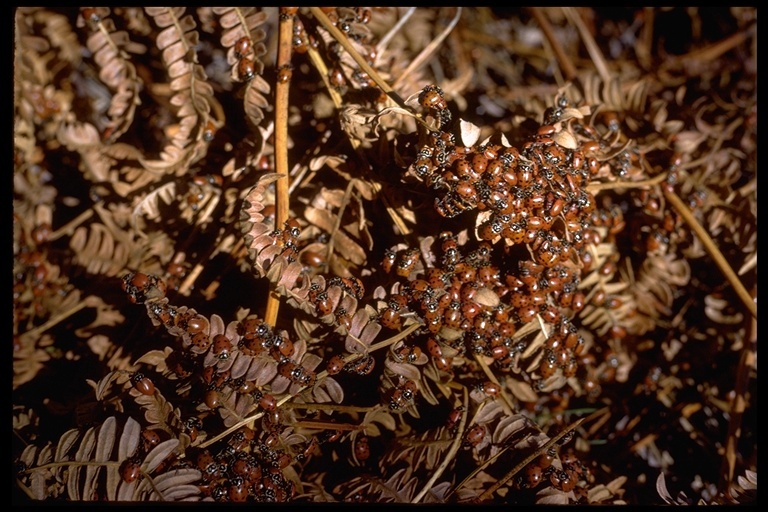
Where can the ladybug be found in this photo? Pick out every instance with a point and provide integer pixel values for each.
(284, 74)
(388, 262)
(212, 399)
(323, 304)
(533, 475)
(548, 365)
(335, 365)
(130, 469)
(397, 400)
(454, 417)
(336, 77)
(312, 259)
(267, 402)
(390, 318)
(238, 490)
(362, 449)
(409, 389)
(221, 346)
(362, 366)
(206, 463)
(91, 15)
(282, 346)
(431, 97)
(150, 438)
(490, 388)
(407, 353)
(242, 47)
(143, 384)
(475, 435)
(210, 131)
(561, 480)
(406, 262)
(526, 313)
(245, 386)
(192, 427)
(246, 69)
(546, 458)
(282, 461)
(141, 287)
(196, 324)
(241, 439)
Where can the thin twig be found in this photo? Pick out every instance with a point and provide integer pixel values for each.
(714, 252)
(69, 227)
(506, 403)
(594, 51)
(452, 451)
(347, 45)
(429, 50)
(492, 489)
(739, 404)
(250, 419)
(384, 41)
(282, 198)
(337, 224)
(569, 70)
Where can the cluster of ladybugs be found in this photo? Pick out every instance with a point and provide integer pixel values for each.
(201, 187)
(285, 244)
(246, 60)
(566, 478)
(254, 337)
(351, 22)
(250, 466)
(535, 195)
(469, 305)
(130, 468)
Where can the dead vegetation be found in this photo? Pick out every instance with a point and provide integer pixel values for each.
(407, 255)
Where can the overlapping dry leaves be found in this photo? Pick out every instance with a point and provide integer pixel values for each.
(439, 255)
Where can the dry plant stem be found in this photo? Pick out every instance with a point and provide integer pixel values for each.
(724, 134)
(69, 227)
(34, 333)
(489, 461)
(384, 41)
(319, 63)
(285, 47)
(596, 186)
(569, 70)
(330, 407)
(645, 42)
(344, 41)
(739, 404)
(452, 451)
(601, 415)
(324, 425)
(192, 276)
(713, 251)
(589, 42)
(506, 403)
(114, 464)
(322, 69)
(337, 224)
(713, 51)
(492, 489)
(429, 50)
(320, 376)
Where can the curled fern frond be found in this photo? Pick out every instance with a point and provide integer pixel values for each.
(192, 94)
(116, 70)
(107, 463)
